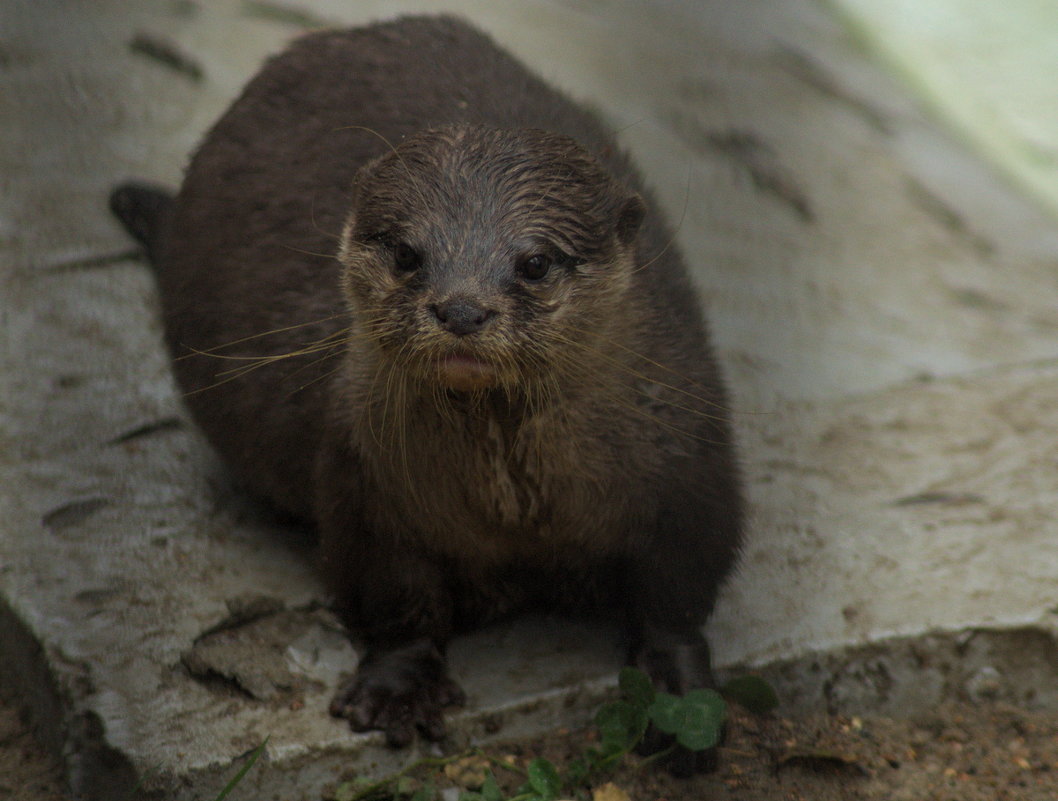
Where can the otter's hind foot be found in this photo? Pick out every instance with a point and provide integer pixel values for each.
(398, 690)
(142, 208)
(676, 663)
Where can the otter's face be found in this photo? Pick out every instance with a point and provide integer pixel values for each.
(475, 256)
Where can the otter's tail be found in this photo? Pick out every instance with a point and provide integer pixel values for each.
(142, 209)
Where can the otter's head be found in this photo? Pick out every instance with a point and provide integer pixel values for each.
(476, 257)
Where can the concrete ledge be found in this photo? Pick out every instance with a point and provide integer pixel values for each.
(908, 675)
(920, 508)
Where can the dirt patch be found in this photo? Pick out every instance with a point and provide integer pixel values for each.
(957, 752)
(27, 771)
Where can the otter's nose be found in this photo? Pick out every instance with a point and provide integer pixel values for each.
(461, 316)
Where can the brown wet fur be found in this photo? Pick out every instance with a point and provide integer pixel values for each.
(350, 283)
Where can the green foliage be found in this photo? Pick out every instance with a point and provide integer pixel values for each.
(636, 687)
(243, 771)
(695, 721)
(752, 692)
(544, 780)
(621, 726)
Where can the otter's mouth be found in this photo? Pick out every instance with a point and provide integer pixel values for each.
(465, 373)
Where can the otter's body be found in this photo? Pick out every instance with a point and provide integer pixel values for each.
(421, 299)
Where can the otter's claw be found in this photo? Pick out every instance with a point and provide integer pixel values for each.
(399, 690)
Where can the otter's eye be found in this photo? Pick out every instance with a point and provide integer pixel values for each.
(535, 267)
(406, 258)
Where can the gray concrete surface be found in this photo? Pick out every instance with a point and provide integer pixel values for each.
(883, 304)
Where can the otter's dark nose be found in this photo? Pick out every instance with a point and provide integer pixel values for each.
(461, 316)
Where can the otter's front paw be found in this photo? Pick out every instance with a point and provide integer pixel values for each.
(399, 690)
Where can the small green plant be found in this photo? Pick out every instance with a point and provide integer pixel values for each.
(751, 692)
(231, 785)
(238, 777)
(695, 721)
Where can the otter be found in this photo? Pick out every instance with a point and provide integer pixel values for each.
(419, 298)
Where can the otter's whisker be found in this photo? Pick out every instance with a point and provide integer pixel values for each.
(631, 371)
(282, 330)
(336, 350)
(316, 227)
(339, 337)
(322, 377)
(392, 148)
(311, 252)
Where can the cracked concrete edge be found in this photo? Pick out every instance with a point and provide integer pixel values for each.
(909, 676)
(898, 676)
(56, 692)
(52, 689)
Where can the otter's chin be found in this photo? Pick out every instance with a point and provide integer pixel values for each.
(465, 373)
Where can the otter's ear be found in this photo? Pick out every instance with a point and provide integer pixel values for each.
(355, 187)
(361, 177)
(630, 218)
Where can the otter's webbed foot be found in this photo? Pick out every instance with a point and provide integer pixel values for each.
(677, 667)
(398, 690)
